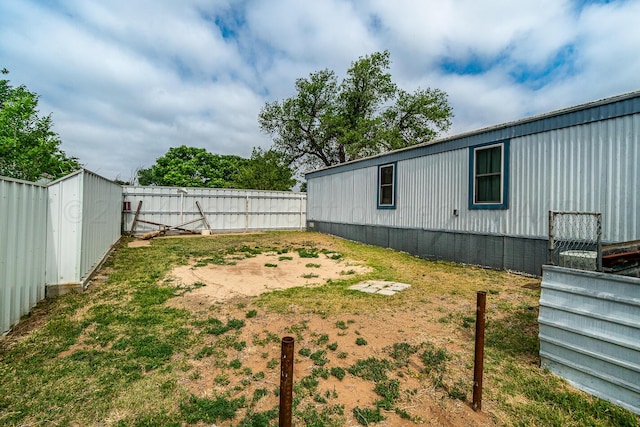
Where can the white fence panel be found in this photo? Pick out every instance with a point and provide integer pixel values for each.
(101, 220)
(84, 222)
(590, 332)
(64, 230)
(224, 209)
(23, 219)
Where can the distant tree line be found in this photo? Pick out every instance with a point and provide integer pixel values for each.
(195, 167)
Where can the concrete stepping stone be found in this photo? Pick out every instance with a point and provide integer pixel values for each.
(380, 287)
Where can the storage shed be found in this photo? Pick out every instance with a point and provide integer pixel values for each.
(484, 197)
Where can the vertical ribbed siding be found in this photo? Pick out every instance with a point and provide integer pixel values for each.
(591, 167)
(64, 230)
(225, 209)
(101, 218)
(84, 222)
(425, 191)
(350, 197)
(23, 216)
(589, 329)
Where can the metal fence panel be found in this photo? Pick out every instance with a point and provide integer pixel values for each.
(23, 218)
(64, 230)
(575, 240)
(101, 218)
(224, 209)
(589, 330)
(84, 222)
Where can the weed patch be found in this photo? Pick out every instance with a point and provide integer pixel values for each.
(361, 341)
(367, 416)
(307, 253)
(215, 326)
(210, 410)
(371, 369)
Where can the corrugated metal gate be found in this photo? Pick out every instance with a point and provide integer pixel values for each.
(224, 209)
(590, 332)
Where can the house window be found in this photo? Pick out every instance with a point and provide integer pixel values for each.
(488, 176)
(387, 186)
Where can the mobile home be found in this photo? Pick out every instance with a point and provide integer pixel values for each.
(484, 197)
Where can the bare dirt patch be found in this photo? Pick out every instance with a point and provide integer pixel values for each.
(139, 243)
(426, 404)
(262, 273)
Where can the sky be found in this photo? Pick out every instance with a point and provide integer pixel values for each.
(125, 80)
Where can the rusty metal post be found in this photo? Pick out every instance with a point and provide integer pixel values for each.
(286, 382)
(478, 365)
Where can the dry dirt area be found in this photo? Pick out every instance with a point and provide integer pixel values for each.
(226, 290)
(262, 273)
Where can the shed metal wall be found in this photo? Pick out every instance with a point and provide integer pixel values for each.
(64, 230)
(590, 167)
(23, 214)
(84, 222)
(101, 220)
(225, 209)
(589, 330)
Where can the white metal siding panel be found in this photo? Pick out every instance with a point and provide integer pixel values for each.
(583, 168)
(348, 197)
(589, 329)
(429, 191)
(23, 212)
(64, 230)
(101, 218)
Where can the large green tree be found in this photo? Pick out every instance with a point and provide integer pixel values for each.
(195, 167)
(265, 170)
(192, 167)
(29, 149)
(327, 123)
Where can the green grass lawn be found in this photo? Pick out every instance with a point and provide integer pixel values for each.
(128, 353)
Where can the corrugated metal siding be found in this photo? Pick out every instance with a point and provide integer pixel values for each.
(590, 167)
(589, 332)
(23, 218)
(64, 230)
(101, 220)
(225, 209)
(85, 212)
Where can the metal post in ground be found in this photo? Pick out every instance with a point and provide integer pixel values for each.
(478, 364)
(286, 382)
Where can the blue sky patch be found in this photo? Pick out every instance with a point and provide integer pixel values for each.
(375, 23)
(231, 23)
(561, 65)
(472, 65)
(581, 4)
